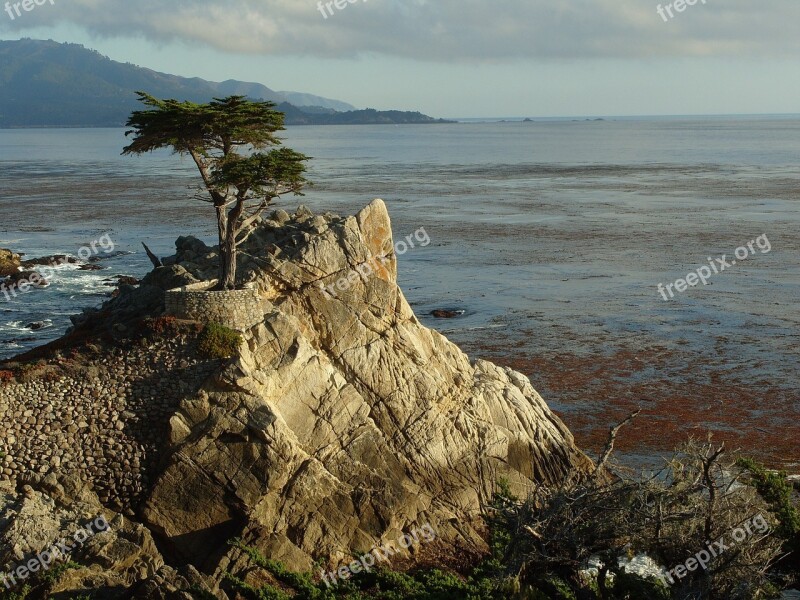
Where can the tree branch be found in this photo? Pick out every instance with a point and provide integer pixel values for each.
(612, 436)
(153, 258)
(205, 173)
(708, 462)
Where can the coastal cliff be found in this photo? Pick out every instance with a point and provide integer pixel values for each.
(339, 424)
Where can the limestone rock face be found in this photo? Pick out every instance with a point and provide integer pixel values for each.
(344, 422)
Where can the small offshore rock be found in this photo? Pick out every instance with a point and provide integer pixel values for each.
(441, 313)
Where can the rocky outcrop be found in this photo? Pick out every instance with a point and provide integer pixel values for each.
(345, 421)
(9, 263)
(342, 423)
(12, 273)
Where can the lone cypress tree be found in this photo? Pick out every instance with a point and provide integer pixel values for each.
(225, 138)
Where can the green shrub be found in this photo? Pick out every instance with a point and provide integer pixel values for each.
(381, 584)
(22, 594)
(41, 585)
(218, 341)
(54, 575)
(775, 489)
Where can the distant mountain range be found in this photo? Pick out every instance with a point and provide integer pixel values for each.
(48, 84)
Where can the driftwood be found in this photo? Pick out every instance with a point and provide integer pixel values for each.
(153, 258)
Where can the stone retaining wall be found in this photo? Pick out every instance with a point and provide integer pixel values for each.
(237, 309)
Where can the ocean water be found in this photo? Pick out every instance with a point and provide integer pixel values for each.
(551, 236)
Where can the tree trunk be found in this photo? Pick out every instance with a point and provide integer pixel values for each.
(602, 573)
(228, 262)
(227, 251)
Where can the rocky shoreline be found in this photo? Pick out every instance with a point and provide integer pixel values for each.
(19, 276)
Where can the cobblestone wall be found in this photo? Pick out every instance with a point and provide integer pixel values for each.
(238, 309)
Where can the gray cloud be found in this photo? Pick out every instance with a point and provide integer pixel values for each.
(441, 30)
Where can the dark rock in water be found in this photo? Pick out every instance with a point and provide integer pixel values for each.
(446, 314)
(106, 255)
(50, 261)
(36, 326)
(19, 276)
(90, 268)
(24, 340)
(132, 300)
(32, 278)
(122, 280)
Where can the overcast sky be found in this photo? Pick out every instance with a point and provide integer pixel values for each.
(460, 58)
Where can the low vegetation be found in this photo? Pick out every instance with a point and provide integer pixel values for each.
(381, 583)
(701, 529)
(218, 341)
(41, 585)
(163, 325)
(775, 488)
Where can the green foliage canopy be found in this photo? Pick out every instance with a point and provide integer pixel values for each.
(228, 140)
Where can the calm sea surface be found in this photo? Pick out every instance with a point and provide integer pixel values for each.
(552, 237)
